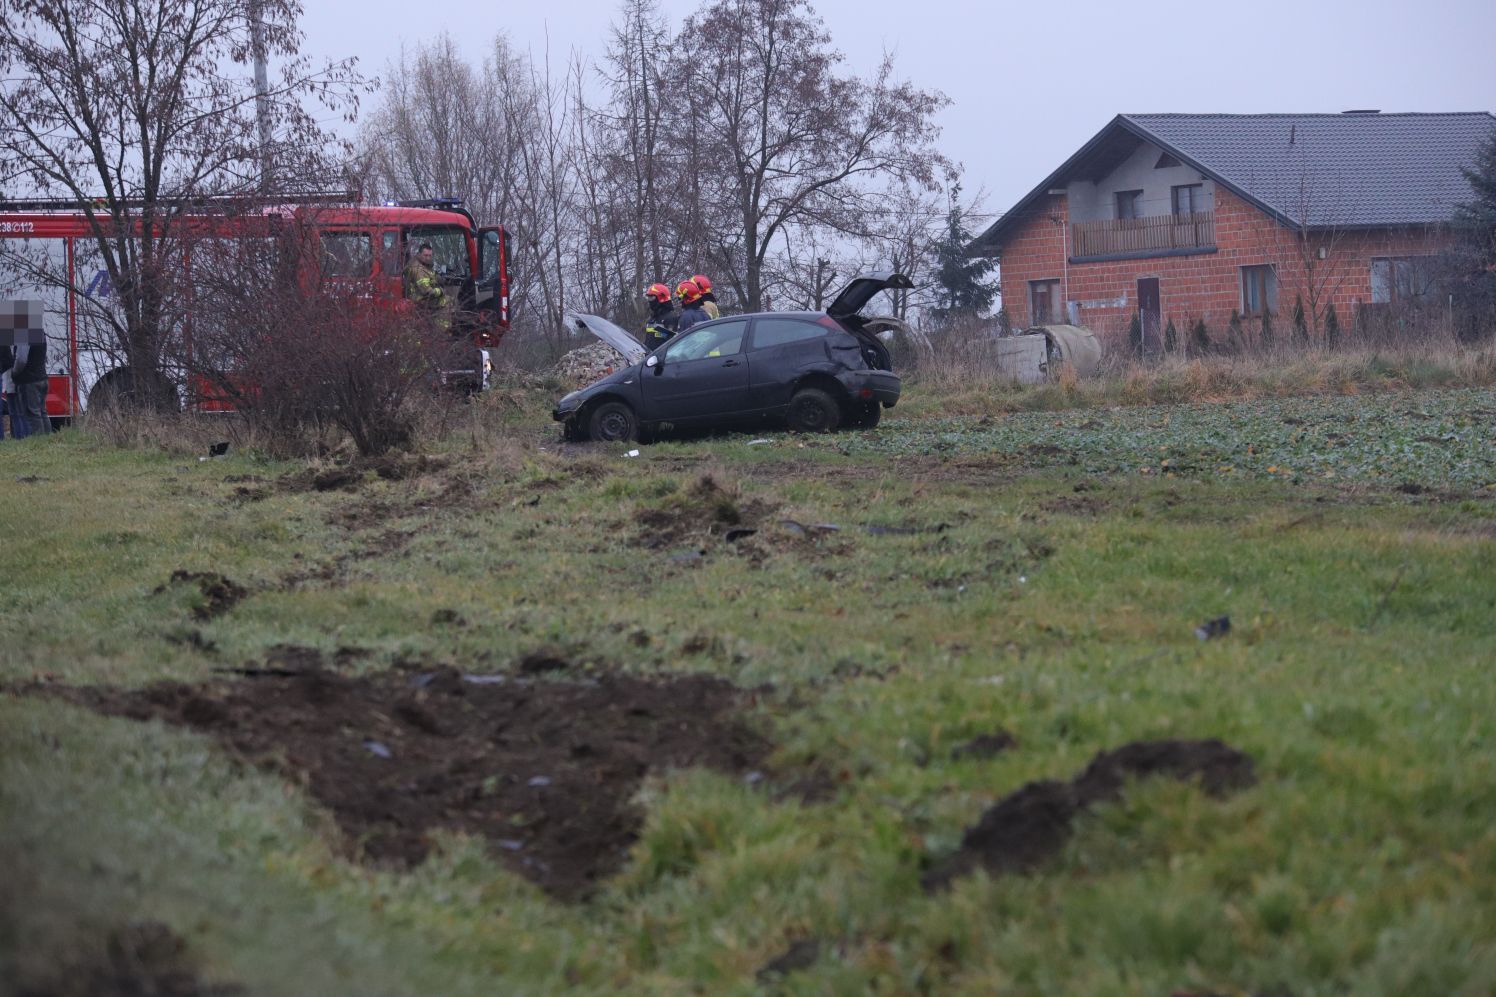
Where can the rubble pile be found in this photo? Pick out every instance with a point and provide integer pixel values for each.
(588, 363)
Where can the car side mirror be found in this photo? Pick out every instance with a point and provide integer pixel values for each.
(654, 362)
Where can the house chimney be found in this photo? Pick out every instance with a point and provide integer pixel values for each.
(1364, 110)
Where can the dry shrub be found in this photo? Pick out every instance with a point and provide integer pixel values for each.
(960, 356)
(301, 361)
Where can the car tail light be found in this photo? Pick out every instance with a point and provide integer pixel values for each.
(865, 393)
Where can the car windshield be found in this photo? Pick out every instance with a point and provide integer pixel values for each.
(449, 246)
(716, 340)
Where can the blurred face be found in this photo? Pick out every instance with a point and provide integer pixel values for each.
(427, 255)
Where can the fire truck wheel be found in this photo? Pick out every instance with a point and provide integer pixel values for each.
(120, 387)
(613, 422)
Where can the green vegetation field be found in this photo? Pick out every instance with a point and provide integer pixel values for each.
(903, 592)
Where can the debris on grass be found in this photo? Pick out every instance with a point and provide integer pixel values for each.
(1030, 825)
(1211, 629)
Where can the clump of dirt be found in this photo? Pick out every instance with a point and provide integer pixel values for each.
(219, 594)
(145, 958)
(389, 467)
(544, 770)
(1075, 505)
(1033, 823)
(703, 509)
(800, 955)
(984, 746)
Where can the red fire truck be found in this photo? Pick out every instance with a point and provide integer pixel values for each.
(343, 243)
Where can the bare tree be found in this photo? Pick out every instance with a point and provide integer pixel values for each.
(784, 139)
(134, 111)
(636, 60)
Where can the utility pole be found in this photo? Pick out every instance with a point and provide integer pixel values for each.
(262, 95)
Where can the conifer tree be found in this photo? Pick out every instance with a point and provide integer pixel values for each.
(963, 287)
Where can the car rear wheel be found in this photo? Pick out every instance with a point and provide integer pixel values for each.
(813, 411)
(866, 415)
(613, 422)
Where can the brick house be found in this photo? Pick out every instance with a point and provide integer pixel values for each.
(1197, 216)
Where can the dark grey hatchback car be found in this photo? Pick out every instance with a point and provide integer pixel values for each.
(813, 371)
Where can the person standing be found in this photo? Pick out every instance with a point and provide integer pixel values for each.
(28, 372)
(7, 357)
(423, 286)
(691, 312)
(708, 298)
(660, 325)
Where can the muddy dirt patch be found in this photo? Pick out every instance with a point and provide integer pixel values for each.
(1075, 505)
(1030, 825)
(544, 770)
(704, 510)
(218, 594)
(354, 473)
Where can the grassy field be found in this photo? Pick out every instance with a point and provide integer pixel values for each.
(906, 590)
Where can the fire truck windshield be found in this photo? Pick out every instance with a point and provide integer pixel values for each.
(449, 245)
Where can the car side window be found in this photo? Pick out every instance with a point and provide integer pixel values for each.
(716, 340)
(768, 332)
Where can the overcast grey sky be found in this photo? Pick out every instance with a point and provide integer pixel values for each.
(1030, 82)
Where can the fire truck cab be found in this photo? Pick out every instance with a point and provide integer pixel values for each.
(48, 252)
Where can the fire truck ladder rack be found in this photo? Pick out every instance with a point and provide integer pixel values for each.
(215, 203)
(452, 204)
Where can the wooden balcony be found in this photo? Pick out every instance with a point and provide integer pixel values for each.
(1160, 235)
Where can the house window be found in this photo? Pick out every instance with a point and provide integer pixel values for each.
(1259, 290)
(1044, 301)
(1400, 279)
(1189, 199)
(1128, 203)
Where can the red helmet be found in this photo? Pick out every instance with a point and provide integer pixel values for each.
(688, 292)
(704, 282)
(658, 292)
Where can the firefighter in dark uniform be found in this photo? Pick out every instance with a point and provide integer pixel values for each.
(708, 296)
(691, 312)
(660, 325)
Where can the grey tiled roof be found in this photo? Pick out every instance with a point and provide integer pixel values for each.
(1332, 169)
(1352, 170)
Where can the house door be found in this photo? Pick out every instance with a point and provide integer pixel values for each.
(1148, 308)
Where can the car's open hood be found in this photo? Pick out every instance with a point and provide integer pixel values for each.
(861, 290)
(615, 336)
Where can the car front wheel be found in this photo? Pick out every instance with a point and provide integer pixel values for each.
(813, 411)
(613, 422)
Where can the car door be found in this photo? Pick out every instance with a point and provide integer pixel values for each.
(781, 348)
(702, 374)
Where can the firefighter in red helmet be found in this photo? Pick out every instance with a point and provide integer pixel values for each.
(691, 312)
(708, 299)
(660, 325)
